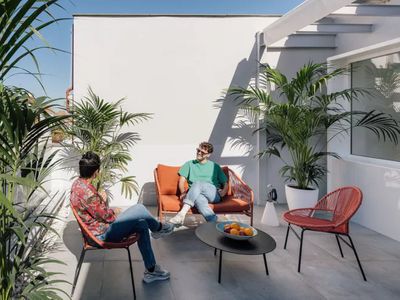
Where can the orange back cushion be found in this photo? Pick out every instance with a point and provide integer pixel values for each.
(168, 179)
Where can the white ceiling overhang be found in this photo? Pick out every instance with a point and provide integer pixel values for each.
(313, 23)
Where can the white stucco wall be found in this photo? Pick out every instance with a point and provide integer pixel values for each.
(378, 179)
(175, 68)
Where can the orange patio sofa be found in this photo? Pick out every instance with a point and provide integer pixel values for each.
(239, 199)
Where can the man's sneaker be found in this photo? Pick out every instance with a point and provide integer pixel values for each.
(166, 229)
(158, 274)
(177, 220)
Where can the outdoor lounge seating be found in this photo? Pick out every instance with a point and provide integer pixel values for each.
(239, 199)
(331, 214)
(90, 242)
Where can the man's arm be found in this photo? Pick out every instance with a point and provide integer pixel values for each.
(99, 210)
(181, 186)
(103, 195)
(222, 192)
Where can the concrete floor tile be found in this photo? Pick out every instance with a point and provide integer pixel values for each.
(117, 283)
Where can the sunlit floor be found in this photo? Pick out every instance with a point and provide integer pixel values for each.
(194, 268)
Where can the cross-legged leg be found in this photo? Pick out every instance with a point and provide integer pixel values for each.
(199, 195)
(201, 204)
(209, 194)
(127, 226)
(137, 219)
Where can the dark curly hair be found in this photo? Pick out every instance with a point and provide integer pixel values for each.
(206, 146)
(88, 164)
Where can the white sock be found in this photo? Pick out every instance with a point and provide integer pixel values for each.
(184, 210)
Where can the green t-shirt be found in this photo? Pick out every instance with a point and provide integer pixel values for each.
(209, 172)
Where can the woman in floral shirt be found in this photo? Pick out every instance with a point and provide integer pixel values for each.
(108, 225)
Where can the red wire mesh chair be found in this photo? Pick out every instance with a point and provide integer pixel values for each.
(339, 205)
(91, 242)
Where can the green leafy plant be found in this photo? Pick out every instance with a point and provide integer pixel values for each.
(99, 126)
(302, 114)
(26, 209)
(20, 21)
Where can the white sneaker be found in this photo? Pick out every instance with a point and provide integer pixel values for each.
(158, 274)
(177, 220)
(166, 229)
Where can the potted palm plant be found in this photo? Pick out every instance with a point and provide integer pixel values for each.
(296, 118)
(101, 127)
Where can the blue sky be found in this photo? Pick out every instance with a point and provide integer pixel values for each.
(56, 66)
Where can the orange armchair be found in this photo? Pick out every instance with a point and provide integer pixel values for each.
(331, 214)
(238, 200)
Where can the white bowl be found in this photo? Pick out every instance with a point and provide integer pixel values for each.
(220, 228)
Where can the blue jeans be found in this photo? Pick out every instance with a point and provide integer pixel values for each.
(136, 219)
(199, 195)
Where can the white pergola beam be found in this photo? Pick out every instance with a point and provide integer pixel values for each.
(321, 41)
(336, 28)
(306, 13)
(368, 10)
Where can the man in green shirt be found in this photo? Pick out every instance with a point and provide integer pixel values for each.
(207, 184)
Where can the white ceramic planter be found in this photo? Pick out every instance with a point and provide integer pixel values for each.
(297, 198)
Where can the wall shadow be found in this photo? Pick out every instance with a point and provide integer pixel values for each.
(147, 195)
(229, 131)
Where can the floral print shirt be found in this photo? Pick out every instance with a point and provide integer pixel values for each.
(91, 207)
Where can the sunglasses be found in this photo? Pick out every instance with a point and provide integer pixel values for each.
(198, 150)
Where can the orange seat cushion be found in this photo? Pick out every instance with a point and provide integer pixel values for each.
(228, 204)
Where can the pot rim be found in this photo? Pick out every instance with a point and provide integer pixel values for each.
(297, 188)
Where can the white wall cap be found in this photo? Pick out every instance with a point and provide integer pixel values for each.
(379, 49)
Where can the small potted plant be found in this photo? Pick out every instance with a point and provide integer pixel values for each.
(296, 123)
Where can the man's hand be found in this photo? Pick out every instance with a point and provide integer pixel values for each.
(222, 192)
(117, 210)
(181, 196)
(103, 195)
(181, 186)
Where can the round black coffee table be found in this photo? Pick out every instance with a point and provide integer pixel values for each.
(262, 243)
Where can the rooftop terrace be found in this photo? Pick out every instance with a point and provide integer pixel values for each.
(194, 268)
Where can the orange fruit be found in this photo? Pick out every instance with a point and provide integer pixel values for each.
(248, 231)
(235, 226)
(234, 231)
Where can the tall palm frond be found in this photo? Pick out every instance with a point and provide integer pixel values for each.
(20, 21)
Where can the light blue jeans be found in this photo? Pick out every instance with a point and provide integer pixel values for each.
(199, 195)
(136, 219)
